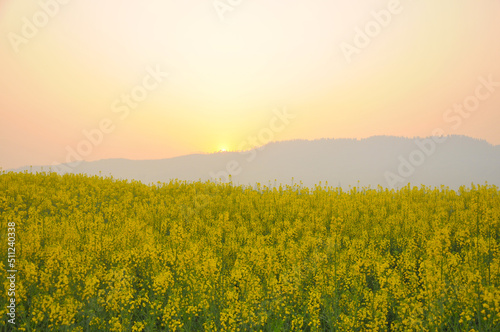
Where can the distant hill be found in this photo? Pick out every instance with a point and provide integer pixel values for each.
(380, 160)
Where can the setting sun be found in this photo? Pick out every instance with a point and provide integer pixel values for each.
(224, 165)
(181, 79)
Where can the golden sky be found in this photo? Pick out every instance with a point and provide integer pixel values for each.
(343, 69)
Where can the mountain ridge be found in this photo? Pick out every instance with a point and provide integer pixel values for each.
(389, 161)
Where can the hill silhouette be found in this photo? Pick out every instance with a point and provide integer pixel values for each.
(380, 160)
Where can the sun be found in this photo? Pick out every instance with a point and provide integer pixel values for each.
(223, 148)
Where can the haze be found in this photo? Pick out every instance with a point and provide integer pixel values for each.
(227, 76)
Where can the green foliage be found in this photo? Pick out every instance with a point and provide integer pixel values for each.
(98, 254)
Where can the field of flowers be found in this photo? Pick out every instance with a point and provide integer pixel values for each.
(98, 254)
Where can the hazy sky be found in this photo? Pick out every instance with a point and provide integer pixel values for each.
(342, 68)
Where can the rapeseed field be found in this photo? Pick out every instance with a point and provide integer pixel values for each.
(100, 254)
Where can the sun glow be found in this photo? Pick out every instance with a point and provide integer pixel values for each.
(219, 81)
